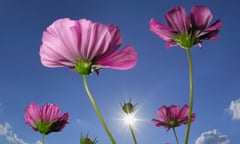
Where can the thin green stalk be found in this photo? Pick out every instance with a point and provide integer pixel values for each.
(175, 134)
(97, 110)
(43, 139)
(190, 96)
(133, 135)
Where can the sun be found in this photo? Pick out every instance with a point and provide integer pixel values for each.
(129, 119)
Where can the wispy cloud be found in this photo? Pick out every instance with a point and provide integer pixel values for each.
(11, 137)
(212, 137)
(82, 123)
(4, 128)
(234, 109)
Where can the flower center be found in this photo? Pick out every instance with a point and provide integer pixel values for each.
(44, 128)
(185, 40)
(83, 67)
(172, 123)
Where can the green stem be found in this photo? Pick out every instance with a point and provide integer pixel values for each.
(175, 134)
(190, 96)
(133, 135)
(97, 110)
(43, 139)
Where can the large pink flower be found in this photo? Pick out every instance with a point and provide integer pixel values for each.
(85, 46)
(184, 30)
(172, 116)
(45, 119)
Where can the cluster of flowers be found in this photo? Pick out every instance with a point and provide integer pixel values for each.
(87, 47)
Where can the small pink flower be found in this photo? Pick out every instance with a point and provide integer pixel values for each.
(45, 119)
(172, 116)
(85, 46)
(184, 30)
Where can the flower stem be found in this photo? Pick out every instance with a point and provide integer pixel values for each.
(43, 139)
(133, 135)
(97, 110)
(190, 96)
(175, 134)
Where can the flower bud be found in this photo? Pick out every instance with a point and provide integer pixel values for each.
(128, 107)
(87, 140)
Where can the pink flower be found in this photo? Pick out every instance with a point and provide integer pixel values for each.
(45, 119)
(85, 46)
(184, 30)
(172, 116)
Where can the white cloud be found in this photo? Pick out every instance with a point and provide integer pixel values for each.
(234, 109)
(212, 137)
(11, 137)
(38, 142)
(4, 128)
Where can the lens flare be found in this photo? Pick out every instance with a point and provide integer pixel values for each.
(129, 119)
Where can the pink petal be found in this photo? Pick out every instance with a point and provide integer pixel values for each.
(184, 111)
(158, 122)
(60, 123)
(32, 114)
(177, 19)
(122, 60)
(93, 38)
(170, 43)
(162, 113)
(211, 32)
(183, 115)
(116, 39)
(173, 112)
(185, 120)
(200, 16)
(50, 113)
(160, 30)
(215, 26)
(59, 44)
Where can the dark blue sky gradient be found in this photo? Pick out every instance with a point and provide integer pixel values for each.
(159, 78)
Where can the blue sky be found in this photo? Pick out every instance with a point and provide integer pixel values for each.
(159, 78)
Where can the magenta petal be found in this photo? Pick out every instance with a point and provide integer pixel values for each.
(186, 31)
(60, 123)
(200, 16)
(183, 115)
(158, 122)
(177, 19)
(211, 32)
(122, 60)
(185, 121)
(162, 113)
(160, 30)
(184, 112)
(215, 26)
(170, 43)
(46, 119)
(173, 111)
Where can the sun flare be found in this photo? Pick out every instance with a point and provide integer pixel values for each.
(129, 119)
